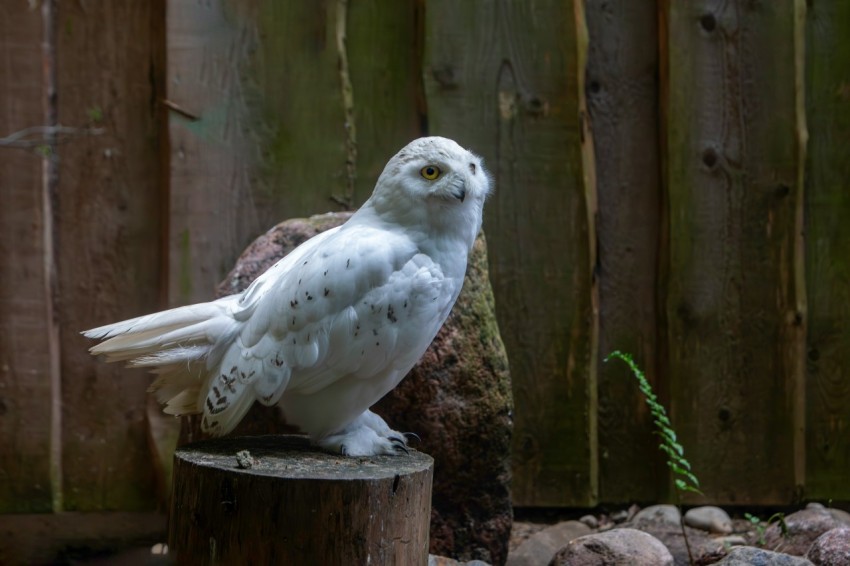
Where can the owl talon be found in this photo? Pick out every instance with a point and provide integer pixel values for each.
(409, 435)
(399, 446)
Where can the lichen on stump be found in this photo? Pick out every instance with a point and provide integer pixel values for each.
(457, 399)
(278, 500)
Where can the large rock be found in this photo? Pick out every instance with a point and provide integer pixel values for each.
(617, 547)
(751, 556)
(832, 548)
(457, 399)
(803, 527)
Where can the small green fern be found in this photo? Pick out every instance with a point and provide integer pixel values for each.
(685, 479)
(761, 526)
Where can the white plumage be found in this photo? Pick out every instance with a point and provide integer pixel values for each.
(336, 324)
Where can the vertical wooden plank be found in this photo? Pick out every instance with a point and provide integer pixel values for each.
(827, 242)
(28, 338)
(385, 65)
(735, 305)
(279, 109)
(622, 94)
(110, 73)
(502, 78)
(257, 128)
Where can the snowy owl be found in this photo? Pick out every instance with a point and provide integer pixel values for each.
(332, 327)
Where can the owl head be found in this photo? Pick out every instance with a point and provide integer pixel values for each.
(433, 184)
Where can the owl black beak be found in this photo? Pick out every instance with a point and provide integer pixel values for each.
(459, 189)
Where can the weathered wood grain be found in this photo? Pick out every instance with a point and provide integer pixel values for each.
(212, 207)
(29, 342)
(109, 76)
(277, 500)
(384, 60)
(508, 87)
(735, 308)
(260, 127)
(827, 245)
(622, 94)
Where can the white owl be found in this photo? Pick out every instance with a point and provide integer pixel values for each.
(336, 324)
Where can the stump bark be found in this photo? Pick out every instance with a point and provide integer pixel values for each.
(278, 500)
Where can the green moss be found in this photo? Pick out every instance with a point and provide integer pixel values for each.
(475, 310)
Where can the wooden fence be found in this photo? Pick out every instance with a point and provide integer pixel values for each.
(678, 187)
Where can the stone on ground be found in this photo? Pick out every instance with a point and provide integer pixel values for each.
(752, 556)
(832, 548)
(668, 514)
(803, 528)
(617, 547)
(709, 518)
(540, 547)
(704, 549)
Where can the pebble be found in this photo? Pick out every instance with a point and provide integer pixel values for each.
(667, 514)
(709, 518)
(590, 520)
(840, 515)
(619, 516)
(732, 540)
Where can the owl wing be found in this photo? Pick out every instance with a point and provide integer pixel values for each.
(352, 305)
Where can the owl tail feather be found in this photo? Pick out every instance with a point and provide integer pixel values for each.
(180, 345)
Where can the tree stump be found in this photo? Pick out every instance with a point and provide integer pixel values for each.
(278, 500)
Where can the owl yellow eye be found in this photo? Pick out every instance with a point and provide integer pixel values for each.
(430, 172)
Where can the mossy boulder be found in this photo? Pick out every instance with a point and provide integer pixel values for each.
(458, 400)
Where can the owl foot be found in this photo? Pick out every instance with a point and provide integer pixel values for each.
(368, 435)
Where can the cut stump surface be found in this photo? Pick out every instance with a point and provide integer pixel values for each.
(284, 501)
